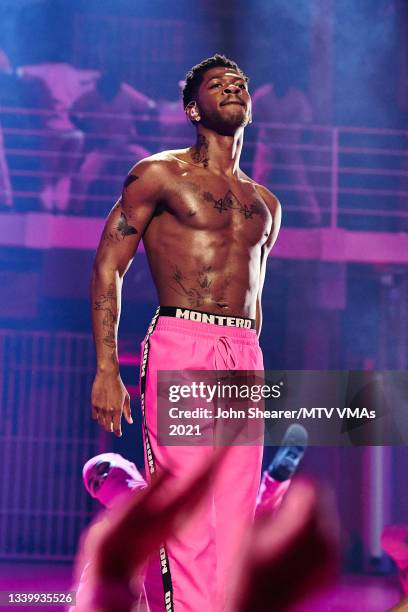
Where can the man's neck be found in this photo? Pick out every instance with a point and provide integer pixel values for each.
(220, 154)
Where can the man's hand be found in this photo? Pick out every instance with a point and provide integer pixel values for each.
(289, 554)
(109, 400)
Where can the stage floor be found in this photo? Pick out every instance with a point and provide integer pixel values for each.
(354, 593)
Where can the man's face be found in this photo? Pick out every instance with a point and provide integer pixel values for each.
(112, 471)
(97, 476)
(223, 101)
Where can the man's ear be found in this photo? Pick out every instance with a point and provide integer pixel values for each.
(192, 112)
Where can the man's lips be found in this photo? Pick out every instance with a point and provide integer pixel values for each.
(239, 102)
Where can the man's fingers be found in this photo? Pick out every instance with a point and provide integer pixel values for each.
(116, 428)
(109, 420)
(102, 417)
(109, 400)
(126, 410)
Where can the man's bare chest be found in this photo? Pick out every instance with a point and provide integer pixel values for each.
(218, 205)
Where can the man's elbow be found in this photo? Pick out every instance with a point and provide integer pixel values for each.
(103, 270)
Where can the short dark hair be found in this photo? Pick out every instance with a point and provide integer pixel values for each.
(194, 76)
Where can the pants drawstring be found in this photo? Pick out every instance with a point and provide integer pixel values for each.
(224, 356)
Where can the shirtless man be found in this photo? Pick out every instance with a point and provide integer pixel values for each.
(207, 229)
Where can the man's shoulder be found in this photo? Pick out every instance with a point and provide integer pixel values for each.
(158, 164)
(275, 209)
(268, 197)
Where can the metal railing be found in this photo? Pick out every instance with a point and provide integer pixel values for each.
(46, 435)
(334, 176)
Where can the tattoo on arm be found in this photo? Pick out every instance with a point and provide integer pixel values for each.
(123, 203)
(123, 226)
(119, 232)
(131, 178)
(107, 303)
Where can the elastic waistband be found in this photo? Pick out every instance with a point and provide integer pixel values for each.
(192, 329)
(197, 316)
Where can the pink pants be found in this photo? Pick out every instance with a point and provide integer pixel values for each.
(199, 560)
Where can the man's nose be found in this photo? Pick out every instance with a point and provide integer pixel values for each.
(229, 89)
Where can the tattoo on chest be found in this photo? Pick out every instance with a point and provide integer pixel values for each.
(199, 289)
(107, 303)
(231, 202)
(199, 153)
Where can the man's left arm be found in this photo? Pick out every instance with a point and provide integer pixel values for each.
(276, 211)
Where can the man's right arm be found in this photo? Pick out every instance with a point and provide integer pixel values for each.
(123, 230)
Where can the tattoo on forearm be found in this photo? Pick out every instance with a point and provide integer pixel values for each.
(231, 202)
(107, 303)
(199, 153)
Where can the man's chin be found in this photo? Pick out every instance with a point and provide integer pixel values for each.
(234, 114)
(227, 123)
(227, 126)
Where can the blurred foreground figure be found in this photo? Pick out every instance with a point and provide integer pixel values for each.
(112, 480)
(285, 557)
(290, 554)
(394, 540)
(115, 554)
(401, 607)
